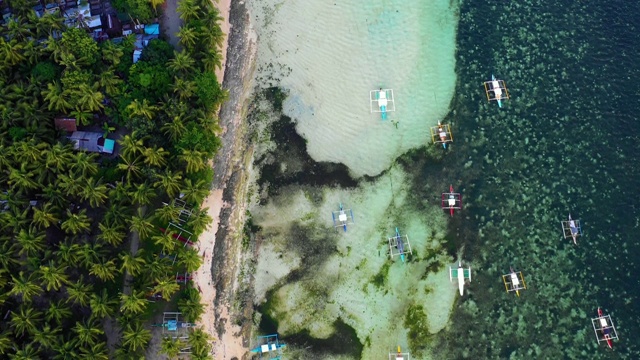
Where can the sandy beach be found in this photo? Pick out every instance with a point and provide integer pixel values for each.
(227, 337)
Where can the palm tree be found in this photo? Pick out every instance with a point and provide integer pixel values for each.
(135, 303)
(143, 194)
(194, 193)
(66, 349)
(194, 160)
(189, 259)
(95, 352)
(141, 224)
(102, 305)
(144, 109)
(26, 352)
(166, 287)
(169, 181)
(184, 88)
(7, 254)
(111, 53)
(58, 157)
(182, 63)
(190, 305)
(83, 163)
(198, 339)
(72, 185)
(168, 213)
(117, 213)
(157, 269)
(110, 233)
(109, 82)
(199, 220)
(131, 167)
(188, 10)
(136, 337)
(45, 217)
(57, 98)
(46, 338)
(76, 223)
(25, 320)
(53, 276)
(89, 254)
(6, 342)
(24, 286)
(68, 253)
(12, 51)
(82, 115)
(90, 99)
(133, 264)
(187, 36)
(105, 270)
(119, 194)
(212, 59)
(54, 195)
(57, 311)
(22, 180)
(166, 241)
(78, 292)
(174, 129)
(170, 347)
(87, 332)
(155, 156)
(31, 241)
(94, 192)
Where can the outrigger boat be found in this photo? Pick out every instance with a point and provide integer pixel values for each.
(462, 274)
(269, 346)
(514, 281)
(342, 218)
(399, 245)
(382, 101)
(604, 328)
(441, 134)
(496, 90)
(451, 200)
(399, 355)
(571, 229)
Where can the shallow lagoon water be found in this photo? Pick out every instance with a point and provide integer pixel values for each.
(565, 142)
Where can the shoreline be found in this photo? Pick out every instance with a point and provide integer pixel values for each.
(225, 202)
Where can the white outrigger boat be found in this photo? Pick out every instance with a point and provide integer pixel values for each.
(342, 218)
(514, 281)
(382, 101)
(604, 328)
(462, 274)
(571, 229)
(441, 134)
(399, 355)
(496, 90)
(399, 245)
(269, 347)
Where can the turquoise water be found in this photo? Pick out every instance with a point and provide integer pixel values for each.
(566, 142)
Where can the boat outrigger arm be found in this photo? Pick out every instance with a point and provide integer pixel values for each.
(571, 229)
(461, 274)
(441, 134)
(342, 218)
(604, 328)
(496, 90)
(514, 281)
(399, 245)
(382, 101)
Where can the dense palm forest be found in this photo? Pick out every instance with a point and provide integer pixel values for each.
(80, 232)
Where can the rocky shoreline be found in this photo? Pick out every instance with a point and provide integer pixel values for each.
(231, 167)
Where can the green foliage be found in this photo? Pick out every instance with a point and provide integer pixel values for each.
(158, 52)
(138, 9)
(149, 81)
(209, 91)
(197, 139)
(17, 133)
(415, 320)
(80, 44)
(45, 71)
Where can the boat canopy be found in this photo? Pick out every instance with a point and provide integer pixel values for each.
(496, 90)
(441, 134)
(382, 101)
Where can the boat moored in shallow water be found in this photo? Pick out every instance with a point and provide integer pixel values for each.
(514, 281)
(399, 245)
(441, 134)
(604, 328)
(451, 200)
(399, 355)
(461, 274)
(572, 229)
(496, 90)
(342, 218)
(382, 101)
